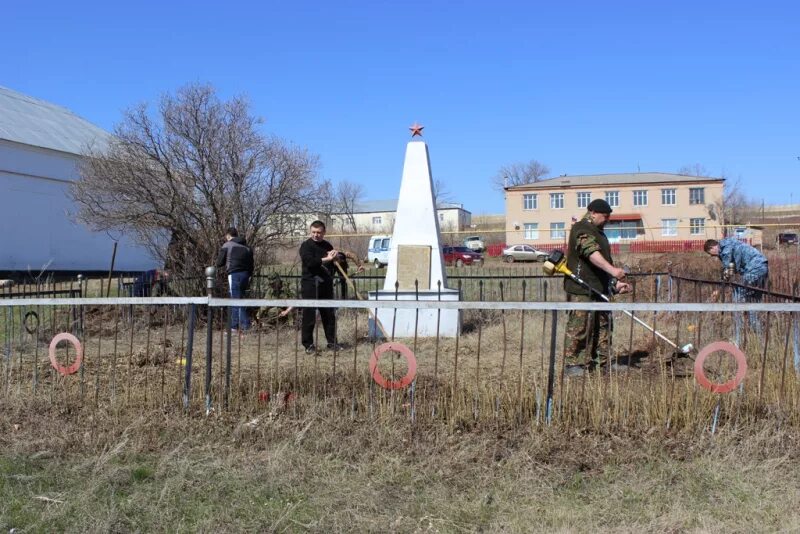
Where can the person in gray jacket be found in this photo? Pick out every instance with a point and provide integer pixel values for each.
(237, 258)
(745, 260)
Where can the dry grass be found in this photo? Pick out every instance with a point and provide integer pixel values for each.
(111, 450)
(496, 370)
(79, 470)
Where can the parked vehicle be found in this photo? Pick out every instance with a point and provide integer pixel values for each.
(524, 253)
(474, 243)
(378, 253)
(787, 238)
(460, 256)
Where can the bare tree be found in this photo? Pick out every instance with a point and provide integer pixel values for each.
(695, 169)
(519, 174)
(348, 196)
(325, 207)
(733, 207)
(176, 178)
(336, 204)
(442, 193)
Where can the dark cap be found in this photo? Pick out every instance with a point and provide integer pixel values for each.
(599, 205)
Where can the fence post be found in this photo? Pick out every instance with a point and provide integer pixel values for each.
(110, 271)
(211, 282)
(551, 371)
(226, 392)
(669, 281)
(80, 321)
(187, 384)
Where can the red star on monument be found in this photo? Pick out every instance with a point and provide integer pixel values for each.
(416, 129)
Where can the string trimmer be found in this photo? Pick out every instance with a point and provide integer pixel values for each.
(556, 263)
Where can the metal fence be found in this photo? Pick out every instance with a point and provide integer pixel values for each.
(496, 284)
(504, 366)
(45, 289)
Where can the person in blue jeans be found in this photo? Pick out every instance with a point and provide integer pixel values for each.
(237, 258)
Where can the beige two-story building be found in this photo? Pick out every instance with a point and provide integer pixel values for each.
(647, 206)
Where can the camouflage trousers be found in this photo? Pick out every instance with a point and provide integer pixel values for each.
(587, 336)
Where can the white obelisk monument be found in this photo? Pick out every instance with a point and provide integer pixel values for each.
(416, 266)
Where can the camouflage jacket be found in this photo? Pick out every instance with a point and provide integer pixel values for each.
(745, 258)
(584, 240)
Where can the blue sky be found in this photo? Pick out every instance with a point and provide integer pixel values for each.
(584, 87)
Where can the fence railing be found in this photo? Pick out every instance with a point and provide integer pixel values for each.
(671, 245)
(44, 290)
(504, 364)
(503, 284)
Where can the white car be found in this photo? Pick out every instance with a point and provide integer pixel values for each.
(524, 253)
(474, 243)
(378, 253)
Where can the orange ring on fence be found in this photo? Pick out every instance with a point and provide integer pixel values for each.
(410, 360)
(730, 385)
(72, 369)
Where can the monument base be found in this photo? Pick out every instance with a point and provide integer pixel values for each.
(405, 322)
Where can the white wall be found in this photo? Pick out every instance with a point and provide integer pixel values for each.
(450, 219)
(453, 219)
(35, 212)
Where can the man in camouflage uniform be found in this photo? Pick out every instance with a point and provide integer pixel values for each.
(589, 257)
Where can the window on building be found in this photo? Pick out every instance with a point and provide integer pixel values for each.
(668, 197)
(669, 227)
(377, 220)
(697, 195)
(697, 226)
(640, 197)
(612, 197)
(584, 198)
(530, 202)
(531, 230)
(441, 217)
(557, 201)
(557, 230)
(616, 230)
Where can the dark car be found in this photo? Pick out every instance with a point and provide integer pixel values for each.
(460, 256)
(787, 238)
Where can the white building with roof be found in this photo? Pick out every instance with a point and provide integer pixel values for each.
(40, 151)
(377, 216)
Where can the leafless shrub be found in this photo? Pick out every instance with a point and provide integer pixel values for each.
(520, 174)
(177, 178)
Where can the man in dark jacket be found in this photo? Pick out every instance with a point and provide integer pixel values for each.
(237, 258)
(589, 257)
(317, 256)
